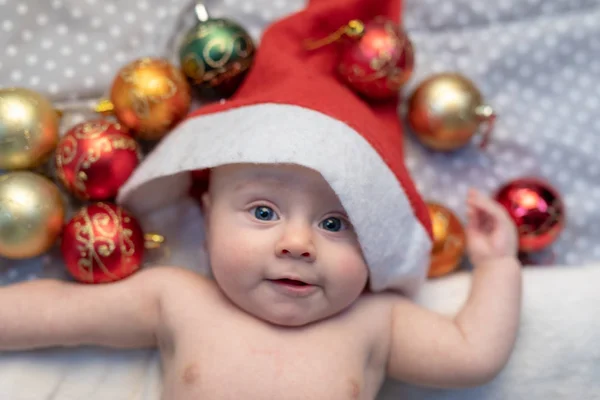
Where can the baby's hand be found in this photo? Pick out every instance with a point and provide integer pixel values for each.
(490, 232)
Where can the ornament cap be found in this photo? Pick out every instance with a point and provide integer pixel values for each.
(486, 113)
(104, 107)
(153, 241)
(354, 28)
(201, 12)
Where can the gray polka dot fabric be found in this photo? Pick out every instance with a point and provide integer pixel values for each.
(537, 62)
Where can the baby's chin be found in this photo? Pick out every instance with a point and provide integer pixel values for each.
(290, 320)
(294, 317)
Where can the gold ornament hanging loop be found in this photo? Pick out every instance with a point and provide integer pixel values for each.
(354, 28)
(486, 114)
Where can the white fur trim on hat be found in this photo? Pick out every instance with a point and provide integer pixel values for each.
(395, 244)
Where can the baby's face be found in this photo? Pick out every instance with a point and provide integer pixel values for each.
(280, 244)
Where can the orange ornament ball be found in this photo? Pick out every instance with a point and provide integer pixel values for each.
(449, 241)
(150, 96)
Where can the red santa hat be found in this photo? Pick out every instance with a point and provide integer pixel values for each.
(293, 108)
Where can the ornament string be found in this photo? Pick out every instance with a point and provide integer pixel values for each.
(352, 29)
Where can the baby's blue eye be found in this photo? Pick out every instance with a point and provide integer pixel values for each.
(264, 213)
(332, 224)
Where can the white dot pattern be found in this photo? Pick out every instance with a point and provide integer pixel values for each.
(52, 46)
(536, 62)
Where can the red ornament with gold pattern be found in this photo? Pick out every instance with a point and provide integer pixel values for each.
(104, 243)
(536, 208)
(377, 57)
(93, 159)
(149, 96)
(449, 241)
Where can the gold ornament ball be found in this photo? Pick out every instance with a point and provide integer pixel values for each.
(31, 214)
(446, 110)
(150, 96)
(28, 129)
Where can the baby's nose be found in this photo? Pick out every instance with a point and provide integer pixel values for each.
(298, 244)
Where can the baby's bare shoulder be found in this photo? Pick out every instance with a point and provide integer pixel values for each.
(379, 306)
(372, 310)
(185, 296)
(380, 301)
(175, 282)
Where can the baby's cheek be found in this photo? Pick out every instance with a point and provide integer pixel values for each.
(230, 250)
(351, 267)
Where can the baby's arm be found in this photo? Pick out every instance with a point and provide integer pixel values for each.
(46, 313)
(470, 349)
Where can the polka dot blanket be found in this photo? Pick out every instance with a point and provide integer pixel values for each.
(536, 62)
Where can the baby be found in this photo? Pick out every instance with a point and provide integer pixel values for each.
(288, 314)
(316, 238)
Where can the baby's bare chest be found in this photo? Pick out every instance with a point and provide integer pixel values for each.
(233, 361)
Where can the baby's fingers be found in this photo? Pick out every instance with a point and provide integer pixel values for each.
(478, 201)
(491, 210)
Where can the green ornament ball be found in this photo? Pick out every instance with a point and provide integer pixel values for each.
(216, 54)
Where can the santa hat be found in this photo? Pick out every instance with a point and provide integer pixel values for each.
(292, 108)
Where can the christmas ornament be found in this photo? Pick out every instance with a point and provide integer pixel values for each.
(149, 96)
(376, 59)
(93, 159)
(104, 243)
(28, 128)
(536, 208)
(216, 54)
(31, 214)
(449, 241)
(446, 110)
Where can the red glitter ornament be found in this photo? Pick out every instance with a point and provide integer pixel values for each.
(379, 62)
(102, 243)
(377, 58)
(93, 159)
(536, 208)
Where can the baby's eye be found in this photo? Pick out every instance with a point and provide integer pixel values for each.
(264, 213)
(334, 224)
